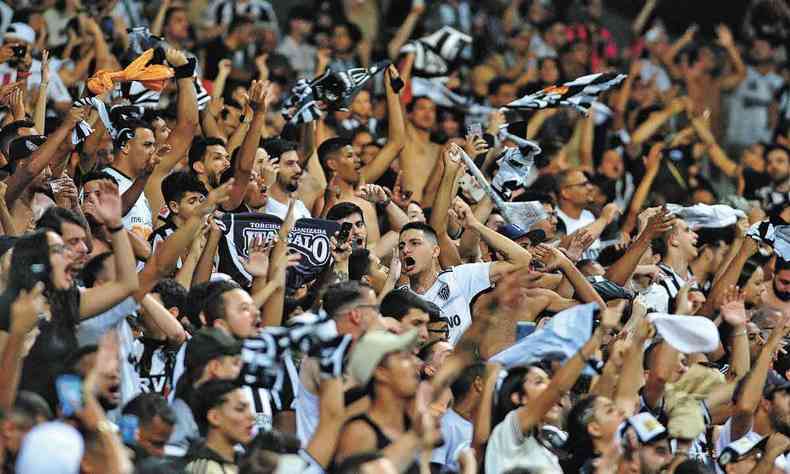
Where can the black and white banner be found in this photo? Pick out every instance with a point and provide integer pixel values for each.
(309, 237)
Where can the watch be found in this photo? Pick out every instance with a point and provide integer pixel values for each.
(106, 426)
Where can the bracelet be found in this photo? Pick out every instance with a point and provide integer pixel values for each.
(115, 229)
(740, 333)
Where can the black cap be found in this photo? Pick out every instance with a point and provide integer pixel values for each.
(208, 344)
(512, 231)
(22, 147)
(537, 236)
(609, 290)
(774, 383)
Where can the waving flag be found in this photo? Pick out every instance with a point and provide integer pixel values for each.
(579, 93)
(436, 54)
(332, 90)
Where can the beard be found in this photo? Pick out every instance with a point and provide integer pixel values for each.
(289, 184)
(780, 423)
(782, 295)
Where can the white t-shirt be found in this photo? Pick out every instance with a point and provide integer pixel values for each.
(56, 90)
(453, 292)
(572, 225)
(749, 120)
(276, 208)
(724, 440)
(509, 447)
(139, 219)
(457, 435)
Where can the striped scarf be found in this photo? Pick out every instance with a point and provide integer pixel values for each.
(578, 94)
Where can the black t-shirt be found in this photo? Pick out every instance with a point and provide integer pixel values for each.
(55, 343)
(216, 51)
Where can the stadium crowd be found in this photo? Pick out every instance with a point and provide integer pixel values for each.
(384, 236)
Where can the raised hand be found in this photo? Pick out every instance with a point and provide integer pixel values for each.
(399, 196)
(257, 263)
(372, 193)
(610, 317)
(340, 250)
(288, 222)
(659, 223)
(580, 241)
(45, 66)
(76, 115)
(216, 197)
(724, 36)
(475, 146)
(464, 212)
(65, 191)
(610, 212)
(260, 94)
(27, 309)
(175, 57)
(733, 309)
(224, 67)
(107, 204)
(215, 106)
(551, 257)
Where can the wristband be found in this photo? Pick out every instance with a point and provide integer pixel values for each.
(397, 84)
(740, 333)
(115, 229)
(186, 70)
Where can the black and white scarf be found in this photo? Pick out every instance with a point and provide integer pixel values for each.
(335, 90)
(435, 55)
(578, 94)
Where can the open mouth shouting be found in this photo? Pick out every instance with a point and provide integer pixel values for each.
(409, 264)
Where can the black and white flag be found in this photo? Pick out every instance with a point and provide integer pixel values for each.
(435, 55)
(330, 91)
(578, 94)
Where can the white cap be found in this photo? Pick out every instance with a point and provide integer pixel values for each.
(51, 448)
(21, 32)
(687, 334)
(373, 347)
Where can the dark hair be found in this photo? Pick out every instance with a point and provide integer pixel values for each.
(781, 264)
(196, 299)
(31, 406)
(11, 131)
(276, 147)
(397, 303)
(198, 149)
(579, 443)
(692, 466)
(177, 184)
(513, 383)
(171, 11)
(97, 176)
(343, 210)
(331, 146)
(173, 294)
(413, 103)
(496, 83)
(774, 147)
(238, 22)
(353, 30)
(147, 406)
(214, 308)
(749, 267)
(126, 131)
(208, 396)
(277, 442)
(341, 294)
(358, 264)
(425, 228)
(90, 272)
(54, 217)
(30, 259)
(463, 384)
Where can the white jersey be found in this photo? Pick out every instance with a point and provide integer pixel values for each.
(725, 438)
(276, 208)
(453, 292)
(139, 219)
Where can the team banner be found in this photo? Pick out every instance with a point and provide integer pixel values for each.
(309, 237)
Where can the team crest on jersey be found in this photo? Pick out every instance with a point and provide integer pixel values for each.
(444, 292)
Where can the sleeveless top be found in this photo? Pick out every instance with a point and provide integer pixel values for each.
(382, 440)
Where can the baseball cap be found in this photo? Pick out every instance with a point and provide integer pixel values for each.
(647, 428)
(741, 448)
(22, 147)
(21, 32)
(537, 236)
(774, 383)
(62, 444)
(373, 347)
(208, 344)
(512, 231)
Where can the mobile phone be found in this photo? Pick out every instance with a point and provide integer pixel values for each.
(345, 231)
(69, 390)
(475, 129)
(19, 50)
(524, 329)
(128, 428)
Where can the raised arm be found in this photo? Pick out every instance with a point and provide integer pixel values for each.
(733, 312)
(42, 157)
(729, 278)
(405, 30)
(716, 153)
(396, 132)
(656, 120)
(40, 113)
(515, 255)
(622, 270)
(158, 319)
(553, 258)
(107, 211)
(272, 312)
(641, 19)
(260, 96)
(738, 74)
(652, 165)
(752, 392)
(562, 381)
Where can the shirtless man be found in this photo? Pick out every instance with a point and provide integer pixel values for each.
(420, 154)
(348, 172)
